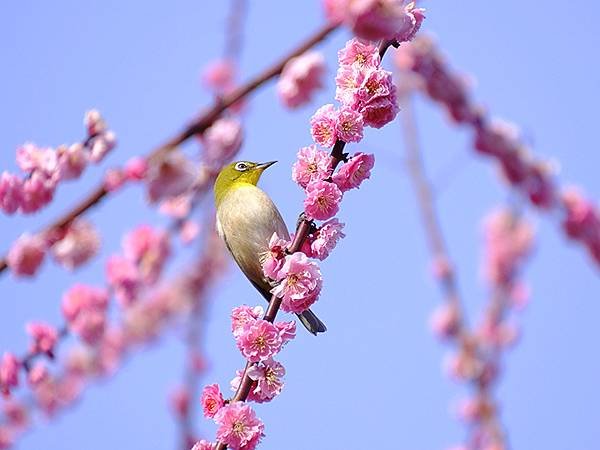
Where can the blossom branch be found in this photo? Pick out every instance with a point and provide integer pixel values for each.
(198, 126)
(531, 177)
(454, 325)
(303, 229)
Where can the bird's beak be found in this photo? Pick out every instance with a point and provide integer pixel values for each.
(266, 165)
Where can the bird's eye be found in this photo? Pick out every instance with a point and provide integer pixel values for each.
(241, 167)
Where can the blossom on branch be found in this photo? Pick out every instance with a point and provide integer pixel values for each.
(26, 255)
(354, 172)
(44, 337)
(312, 165)
(79, 244)
(239, 428)
(322, 200)
(9, 372)
(212, 400)
(259, 340)
(326, 238)
(300, 78)
(300, 284)
(268, 377)
(273, 260)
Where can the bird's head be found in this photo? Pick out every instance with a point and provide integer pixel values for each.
(236, 174)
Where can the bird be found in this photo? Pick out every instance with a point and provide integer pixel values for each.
(246, 220)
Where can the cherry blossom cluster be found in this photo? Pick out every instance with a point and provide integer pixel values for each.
(366, 93)
(501, 141)
(70, 247)
(258, 341)
(368, 97)
(377, 19)
(44, 168)
(145, 251)
(102, 345)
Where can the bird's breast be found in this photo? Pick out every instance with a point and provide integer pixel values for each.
(246, 220)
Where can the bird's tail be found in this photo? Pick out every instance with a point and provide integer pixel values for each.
(308, 318)
(311, 322)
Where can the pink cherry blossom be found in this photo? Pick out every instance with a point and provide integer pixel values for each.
(149, 249)
(38, 191)
(173, 175)
(124, 278)
(44, 337)
(101, 145)
(26, 255)
(203, 445)
(359, 54)
(114, 179)
(301, 283)
(411, 23)
(274, 258)
(323, 126)
(37, 374)
(259, 340)
(349, 125)
(267, 376)
(11, 192)
(300, 78)
(375, 83)
(222, 141)
(380, 111)
(16, 414)
(322, 200)
(136, 168)
(94, 122)
(219, 75)
(354, 172)
(244, 315)
(80, 243)
(445, 321)
(177, 207)
(9, 372)
(335, 10)
(72, 161)
(509, 240)
(287, 331)
(326, 238)
(347, 81)
(31, 158)
(7, 437)
(84, 308)
(239, 428)
(312, 165)
(212, 400)
(376, 19)
(188, 231)
(179, 401)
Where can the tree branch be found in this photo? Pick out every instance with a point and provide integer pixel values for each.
(198, 126)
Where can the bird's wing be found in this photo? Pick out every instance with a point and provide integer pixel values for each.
(246, 220)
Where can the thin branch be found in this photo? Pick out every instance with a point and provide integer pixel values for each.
(437, 245)
(198, 126)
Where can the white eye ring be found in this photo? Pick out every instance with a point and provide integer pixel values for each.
(241, 167)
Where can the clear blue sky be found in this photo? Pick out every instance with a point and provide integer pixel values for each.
(374, 379)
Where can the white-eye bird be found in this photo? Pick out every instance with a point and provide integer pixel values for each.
(246, 220)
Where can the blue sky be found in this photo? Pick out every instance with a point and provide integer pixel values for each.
(374, 380)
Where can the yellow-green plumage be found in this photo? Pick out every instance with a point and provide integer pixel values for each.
(246, 220)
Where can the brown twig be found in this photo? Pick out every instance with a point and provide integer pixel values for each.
(437, 245)
(198, 126)
(302, 230)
